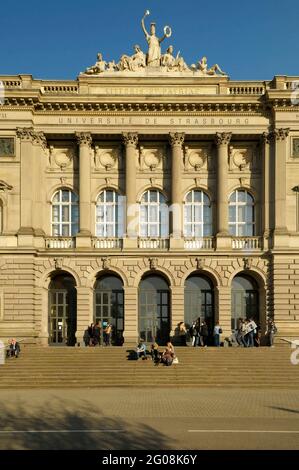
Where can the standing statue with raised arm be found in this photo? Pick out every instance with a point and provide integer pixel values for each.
(154, 48)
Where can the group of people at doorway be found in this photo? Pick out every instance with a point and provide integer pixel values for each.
(96, 334)
(199, 333)
(166, 357)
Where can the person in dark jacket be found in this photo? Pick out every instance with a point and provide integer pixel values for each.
(86, 338)
(14, 348)
(204, 333)
(96, 334)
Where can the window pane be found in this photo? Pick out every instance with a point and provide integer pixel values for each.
(101, 197)
(197, 213)
(74, 197)
(55, 231)
(206, 199)
(233, 230)
(188, 212)
(110, 213)
(143, 213)
(153, 196)
(75, 214)
(144, 197)
(241, 214)
(65, 230)
(241, 230)
(153, 216)
(65, 196)
(207, 214)
(249, 198)
(143, 230)
(198, 230)
(109, 196)
(197, 196)
(249, 214)
(56, 197)
(65, 213)
(232, 213)
(55, 214)
(249, 230)
(188, 232)
(189, 197)
(207, 230)
(74, 229)
(233, 197)
(241, 196)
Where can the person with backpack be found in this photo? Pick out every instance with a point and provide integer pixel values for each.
(271, 332)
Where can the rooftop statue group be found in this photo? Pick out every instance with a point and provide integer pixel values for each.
(154, 58)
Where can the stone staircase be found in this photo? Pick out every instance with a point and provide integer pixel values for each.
(63, 367)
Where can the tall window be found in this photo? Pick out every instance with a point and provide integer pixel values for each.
(241, 214)
(197, 215)
(109, 214)
(65, 214)
(153, 215)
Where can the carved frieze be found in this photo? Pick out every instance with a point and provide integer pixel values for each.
(107, 158)
(29, 134)
(62, 157)
(152, 159)
(196, 159)
(243, 157)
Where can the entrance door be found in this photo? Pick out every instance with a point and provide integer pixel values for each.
(245, 300)
(62, 310)
(109, 307)
(154, 311)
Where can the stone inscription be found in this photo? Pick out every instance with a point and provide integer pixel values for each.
(128, 91)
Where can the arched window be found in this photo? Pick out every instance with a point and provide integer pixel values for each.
(109, 214)
(153, 215)
(241, 214)
(65, 213)
(197, 214)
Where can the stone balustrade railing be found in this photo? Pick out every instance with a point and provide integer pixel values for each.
(107, 243)
(60, 243)
(246, 243)
(246, 90)
(12, 83)
(204, 243)
(63, 89)
(153, 243)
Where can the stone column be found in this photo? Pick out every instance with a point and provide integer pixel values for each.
(32, 145)
(130, 141)
(223, 307)
(266, 190)
(176, 141)
(279, 139)
(85, 311)
(131, 316)
(222, 140)
(84, 140)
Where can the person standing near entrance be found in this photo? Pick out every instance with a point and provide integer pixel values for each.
(216, 334)
(271, 332)
(204, 333)
(96, 334)
(107, 334)
(182, 333)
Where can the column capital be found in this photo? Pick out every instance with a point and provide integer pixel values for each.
(84, 138)
(279, 135)
(28, 134)
(222, 138)
(176, 139)
(130, 139)
(265, 138)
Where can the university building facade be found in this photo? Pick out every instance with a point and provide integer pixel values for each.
(145, 197)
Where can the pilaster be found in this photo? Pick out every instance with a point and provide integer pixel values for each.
(84, 236)
(176, 140)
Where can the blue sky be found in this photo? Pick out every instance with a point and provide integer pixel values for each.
(252, 40)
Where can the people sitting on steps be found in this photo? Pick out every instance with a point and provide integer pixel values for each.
(141, 350)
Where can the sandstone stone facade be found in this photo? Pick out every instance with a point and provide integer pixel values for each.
(170, 133)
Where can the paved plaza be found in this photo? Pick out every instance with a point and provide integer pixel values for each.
(149, 419)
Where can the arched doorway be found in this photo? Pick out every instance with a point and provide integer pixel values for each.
(62, 309)
(154, 309)
(199, 301)
(109, 306)
(245, 299)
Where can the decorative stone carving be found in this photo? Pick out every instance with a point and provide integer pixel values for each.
(151, 158)
(196, 159)
(247, 263)
(29, 134)
(154, 48)
(241, 158)
(63, 159)
(223, 138)
(279, 134)
(98, 67)
(133, 63)
(7, 147)
(5, 186)
(84, 138)
(212, 71)
(106, 158)
(106, 263)
(153, 182)
(266, 137)
(176, 138)
(58, 263)
(130, 139)
(172, 63)
(153, 263)
(199, 263)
